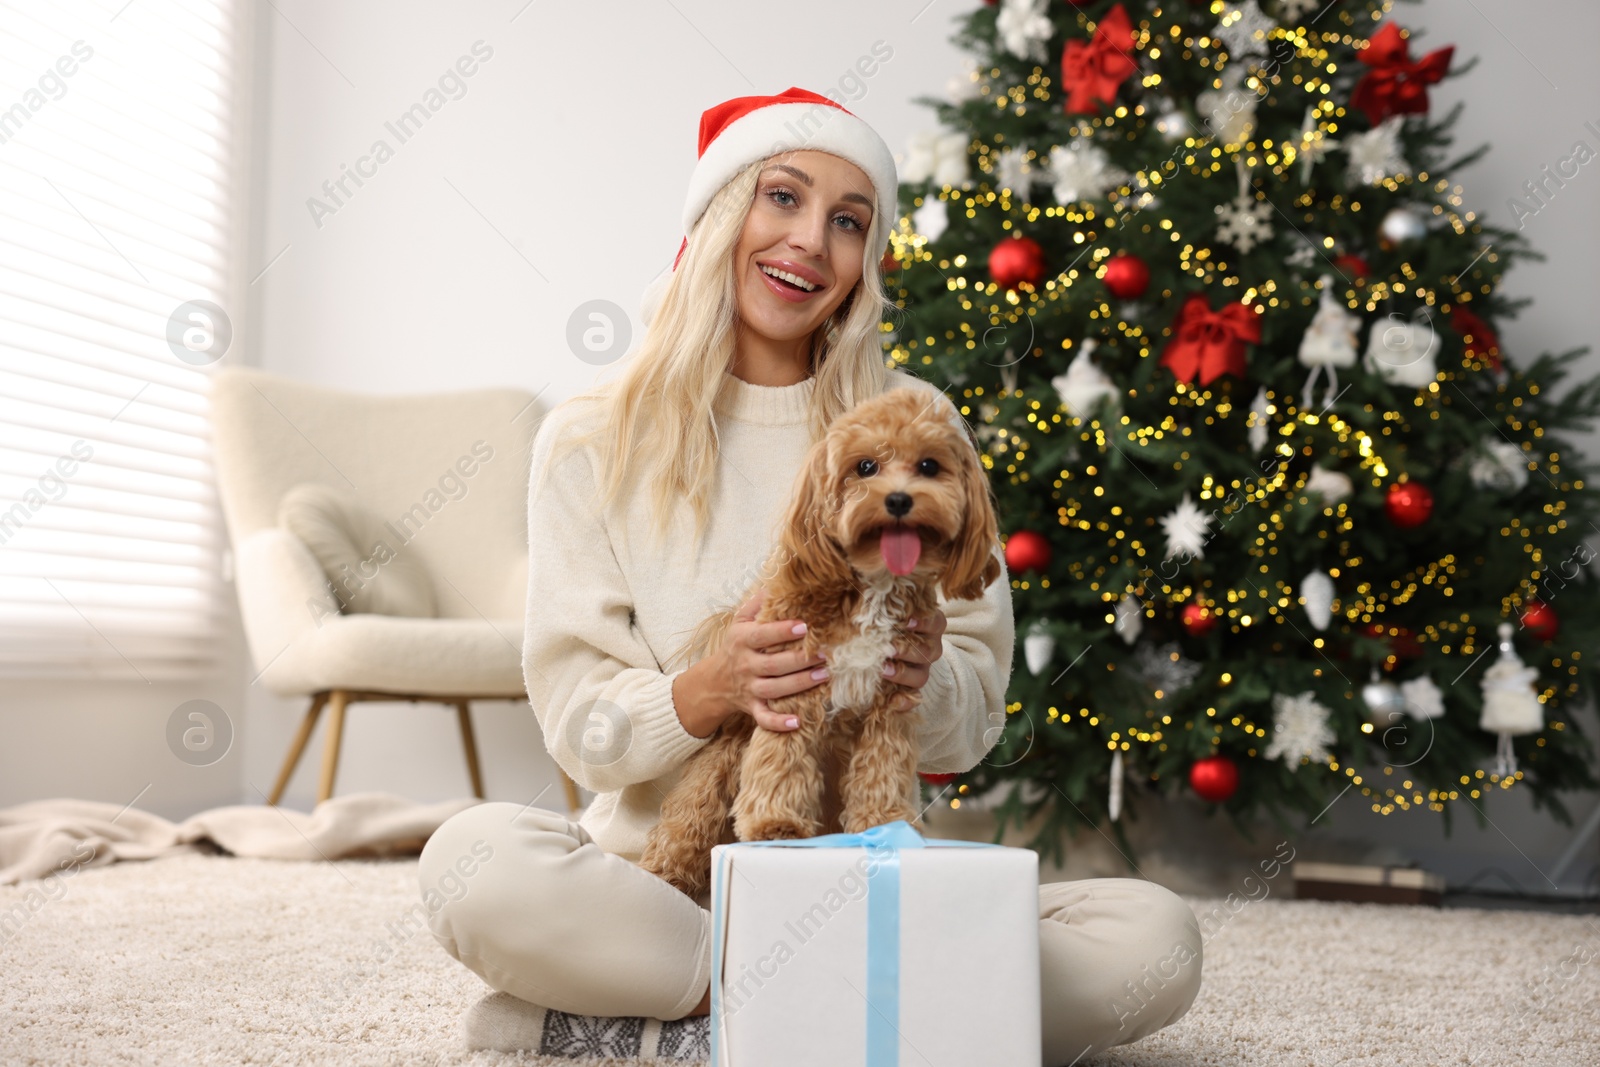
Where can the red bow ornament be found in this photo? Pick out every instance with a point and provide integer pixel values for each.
(1091, 70)
(1395, 85)
(1207, 343)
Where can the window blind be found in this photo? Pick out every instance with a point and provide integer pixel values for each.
(115, 248)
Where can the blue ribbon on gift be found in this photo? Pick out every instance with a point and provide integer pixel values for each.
(883, 929)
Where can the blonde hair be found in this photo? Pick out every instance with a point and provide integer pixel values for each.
(655, 421)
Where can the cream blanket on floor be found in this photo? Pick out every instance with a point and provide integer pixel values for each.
(42, 836)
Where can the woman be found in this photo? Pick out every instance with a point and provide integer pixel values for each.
(767, 328)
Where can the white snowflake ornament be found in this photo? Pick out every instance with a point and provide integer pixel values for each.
(1375, 154)
(1300, 730)
(941, 157)
(1423, 698)
(1082, 171)
(1246, 221)
(1187, 529)
(1244, 30)
(1292, 10)
(1014, 171)
(1084, 384)
(1024, 28)
(1164, 669)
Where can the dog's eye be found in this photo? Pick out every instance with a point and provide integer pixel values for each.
(867, 468)
(928, 468)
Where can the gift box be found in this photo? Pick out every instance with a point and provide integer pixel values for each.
(874, 949)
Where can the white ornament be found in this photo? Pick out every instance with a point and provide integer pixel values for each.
(1244, 29)
(1172, 123)
(1014, 171)
(1130, 619)
(1423, 699)
(1304, 254)
(1186, 528)
(964, 86)
(1501, 466)
(1290, 10)
(1260, 414)
(1510, 702)
(1246, 221)
(1229, 112)
(1114, 799)
(1084, 385)
(1038, 646)
(1024, 28)
(1375, 154)
(1403, 352)
(1314, 144)
(1082, 171)
(1328, 343)
(1299, 730)
(1164, 669)
(1403, 224)
(1316, 589)
(1332, 486)
(941, 157)
(931, 219)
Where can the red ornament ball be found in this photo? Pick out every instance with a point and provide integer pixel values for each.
(1198, 619)
(1017, 261)
(1403, 644)
(888, 264)
(1353, 265)
(1408, 504)
(1027, 551)
(1539, 619)
(937, 778)
(1126, 276)
(1215, 778)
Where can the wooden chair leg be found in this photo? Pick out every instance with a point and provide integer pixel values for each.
(464, 714)
(298, 747)
(337, 702)
(574, 802)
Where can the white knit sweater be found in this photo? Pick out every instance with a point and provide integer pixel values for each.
(606, 610)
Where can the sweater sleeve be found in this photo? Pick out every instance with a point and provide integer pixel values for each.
(601, 698)
(964, 702)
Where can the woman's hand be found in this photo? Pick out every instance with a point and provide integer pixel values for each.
(742, 676)
(916, 653)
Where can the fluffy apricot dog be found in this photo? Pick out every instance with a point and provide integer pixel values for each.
(891, 506)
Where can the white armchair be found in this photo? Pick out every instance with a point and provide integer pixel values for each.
(448, 475)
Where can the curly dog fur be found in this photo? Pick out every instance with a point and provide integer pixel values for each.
(903, 457)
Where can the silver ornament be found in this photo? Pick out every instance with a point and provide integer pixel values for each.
(1037, 647)
(1403, 224)
(1130, 619)
(1385, 704)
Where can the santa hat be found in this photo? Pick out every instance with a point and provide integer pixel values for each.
(738, 132)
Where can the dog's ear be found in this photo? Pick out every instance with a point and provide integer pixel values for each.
(806, 545)
(973, 565)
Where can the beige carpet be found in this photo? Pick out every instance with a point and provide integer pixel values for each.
(219, 960)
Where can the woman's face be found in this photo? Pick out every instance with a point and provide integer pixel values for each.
(809, 220)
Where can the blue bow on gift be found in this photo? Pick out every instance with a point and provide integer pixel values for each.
(883, 929)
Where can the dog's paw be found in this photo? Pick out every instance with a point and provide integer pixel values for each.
(775, 829)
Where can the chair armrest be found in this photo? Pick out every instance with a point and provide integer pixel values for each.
(284, 600)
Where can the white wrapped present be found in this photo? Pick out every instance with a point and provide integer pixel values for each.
(876, 949)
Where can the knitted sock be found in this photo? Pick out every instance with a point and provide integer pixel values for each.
(503, 1023)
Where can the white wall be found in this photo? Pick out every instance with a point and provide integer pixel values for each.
(558, 179)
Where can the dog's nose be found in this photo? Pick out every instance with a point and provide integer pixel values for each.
(898, 504)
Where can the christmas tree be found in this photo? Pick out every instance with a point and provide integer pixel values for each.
(1199, 277)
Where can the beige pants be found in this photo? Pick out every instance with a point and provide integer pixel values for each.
(526, 900)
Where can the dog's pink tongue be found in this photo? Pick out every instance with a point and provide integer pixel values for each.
(901, 547)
